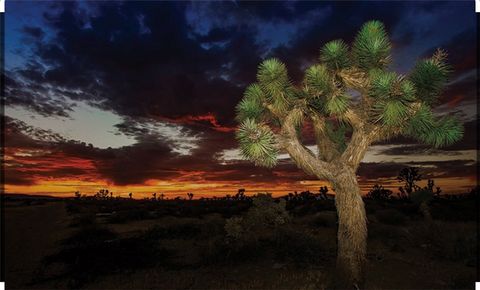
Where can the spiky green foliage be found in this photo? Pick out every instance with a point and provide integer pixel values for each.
(446, 132)
(382, 84)
(335, 55)
(319, 81)
(257, 143)
(251, 105)
(435, 132)
(390, 102)
(337, 105)
(393, 113)
(430, 76)
(371, 48)
(273, 79)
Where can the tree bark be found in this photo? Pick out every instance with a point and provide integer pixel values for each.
(352, 231)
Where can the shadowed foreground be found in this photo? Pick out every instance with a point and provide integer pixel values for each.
(181, 244)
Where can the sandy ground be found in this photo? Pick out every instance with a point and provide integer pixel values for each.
(31, 233)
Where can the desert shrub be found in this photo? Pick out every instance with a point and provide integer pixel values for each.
(94, 252)
(397, 239)
(222, 251)
(461, 281)
(378, 192)
(89, 235)
(73, 207)
(261, 219)
(458, 210)
(421, 196)
(179, 231)
(450, 241)
(390, 217)
(299, 247)
(459, 245)
(324, 219)
(129, 215)
(83, 220)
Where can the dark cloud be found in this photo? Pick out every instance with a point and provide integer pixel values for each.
(150, 62)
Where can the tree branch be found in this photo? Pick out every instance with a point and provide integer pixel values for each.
(327, 149)
(303, 157)
(363, 136)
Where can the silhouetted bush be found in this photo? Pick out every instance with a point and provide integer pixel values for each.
(222, 251)
(324, 219)
(83, 220)
(299, 247)
(129, 215)
(94, 251)
(182, 231)
(390, 217)
(262, 218)
(379, 193)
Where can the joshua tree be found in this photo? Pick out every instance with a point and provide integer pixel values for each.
(351, 100)
(130, 195)
(190, 195)
(154, 196)
(409, 176)
(78, 195)
(431, 185)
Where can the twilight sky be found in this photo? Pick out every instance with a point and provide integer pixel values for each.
(140, 96)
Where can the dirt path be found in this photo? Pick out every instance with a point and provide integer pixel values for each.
(31, 233)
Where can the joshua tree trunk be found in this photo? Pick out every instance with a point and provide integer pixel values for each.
(352, 231)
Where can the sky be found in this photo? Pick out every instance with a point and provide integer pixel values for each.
(140, 96)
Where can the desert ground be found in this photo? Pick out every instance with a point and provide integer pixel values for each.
(192, 244)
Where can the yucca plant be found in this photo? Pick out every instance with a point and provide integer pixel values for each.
(274, 110)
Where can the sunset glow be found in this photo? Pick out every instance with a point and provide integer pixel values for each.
(96, 98)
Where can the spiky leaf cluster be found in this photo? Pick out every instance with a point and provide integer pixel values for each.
(273, 79)
(319, 80)
(257, 143)
(437, 132)
(337, 105)
(430, 76)
(371, 48)
(251, 106)
(335, 55)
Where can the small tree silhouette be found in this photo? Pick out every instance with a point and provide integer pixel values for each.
(430, 186)
(77, 195)
(379, 193)
(323, 192)
(409, 176)
(162, 196)
(240, 194)
(130, 195)
(190, 196)
(102, 194)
